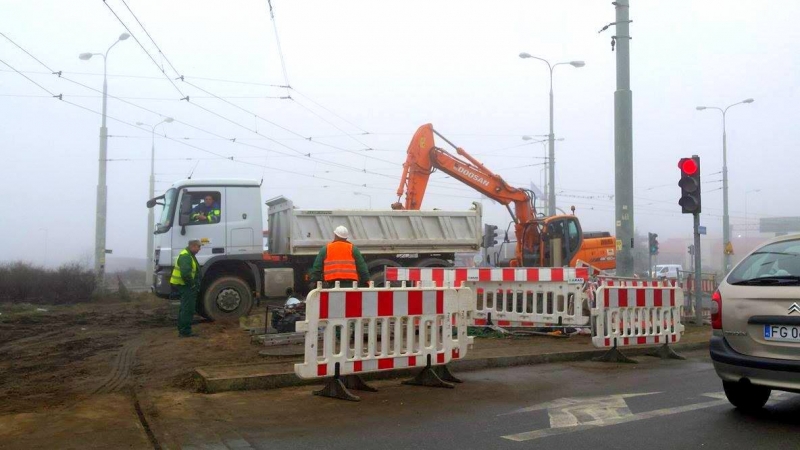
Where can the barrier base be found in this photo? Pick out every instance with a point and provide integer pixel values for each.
(428, 377)
(444, 373)
(665, 352)
(614, 355)
(334, 388)
(356, 383)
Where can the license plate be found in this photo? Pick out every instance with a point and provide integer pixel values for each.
(782, 333)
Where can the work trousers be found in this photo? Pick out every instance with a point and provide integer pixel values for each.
(188, 296)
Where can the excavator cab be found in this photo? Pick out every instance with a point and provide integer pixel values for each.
(561, 240)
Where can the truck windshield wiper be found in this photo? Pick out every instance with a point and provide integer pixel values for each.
(771, 280)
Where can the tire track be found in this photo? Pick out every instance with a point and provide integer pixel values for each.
(121, 368)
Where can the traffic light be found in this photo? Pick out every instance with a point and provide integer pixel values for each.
(489, 236)
(690, 185)
(691, 249)
(653, 242)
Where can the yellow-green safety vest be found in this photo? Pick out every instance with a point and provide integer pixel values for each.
(176, 271)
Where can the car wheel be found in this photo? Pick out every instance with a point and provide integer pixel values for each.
(227, 299)
(745, 396)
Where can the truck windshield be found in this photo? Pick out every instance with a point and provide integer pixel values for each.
(167, 212)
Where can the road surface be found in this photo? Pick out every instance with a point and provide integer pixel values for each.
(654, 405)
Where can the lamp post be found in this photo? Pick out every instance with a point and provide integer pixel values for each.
(551, 203)
(546, 183)
(102, 190)
(150, 268)
(369, 197)
(746, 224)
(726, 224)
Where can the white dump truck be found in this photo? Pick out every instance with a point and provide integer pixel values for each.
(237, 267)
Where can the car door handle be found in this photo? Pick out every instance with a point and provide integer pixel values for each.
(218, 250)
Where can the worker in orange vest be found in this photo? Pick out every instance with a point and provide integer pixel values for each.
(339, 261)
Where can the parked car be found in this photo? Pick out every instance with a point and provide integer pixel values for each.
(755, 317)
(667, 271)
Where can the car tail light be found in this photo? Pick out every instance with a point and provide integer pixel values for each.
(716, 311)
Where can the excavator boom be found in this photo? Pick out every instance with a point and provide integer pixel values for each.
(548, 242)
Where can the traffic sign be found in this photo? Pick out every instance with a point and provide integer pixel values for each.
(702, 229)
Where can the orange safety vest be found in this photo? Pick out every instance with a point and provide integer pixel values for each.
(339, 262)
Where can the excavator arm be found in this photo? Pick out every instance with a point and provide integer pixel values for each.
(423, 158)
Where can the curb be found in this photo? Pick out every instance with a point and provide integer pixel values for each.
(210, 385)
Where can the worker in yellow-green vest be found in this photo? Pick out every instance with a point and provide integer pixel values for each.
(185, 281)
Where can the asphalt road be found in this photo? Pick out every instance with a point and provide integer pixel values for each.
(652, 405)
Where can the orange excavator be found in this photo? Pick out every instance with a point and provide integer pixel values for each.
(541, 241)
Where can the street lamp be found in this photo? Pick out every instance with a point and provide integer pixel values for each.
(551, 204)
(726, 229)
(148, 276)
(746, 223)
(102, 190)
(369, 197)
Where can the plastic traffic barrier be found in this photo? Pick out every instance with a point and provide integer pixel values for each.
(648, 313)
(512, 297)
(352, 331)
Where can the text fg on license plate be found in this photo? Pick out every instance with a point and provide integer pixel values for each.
(782, 333)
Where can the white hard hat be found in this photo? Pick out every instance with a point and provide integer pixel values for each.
(342, 232)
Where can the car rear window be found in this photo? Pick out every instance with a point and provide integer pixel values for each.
(781, 259)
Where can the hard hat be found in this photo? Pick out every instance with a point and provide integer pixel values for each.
(341, 232)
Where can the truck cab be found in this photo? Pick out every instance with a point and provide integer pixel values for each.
(230, 240)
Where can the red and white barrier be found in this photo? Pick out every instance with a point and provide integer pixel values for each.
(376, 329)
(637, 315)
(512, 297)
(437, 276)
(706, 286)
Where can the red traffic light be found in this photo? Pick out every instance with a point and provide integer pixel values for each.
(688, 166)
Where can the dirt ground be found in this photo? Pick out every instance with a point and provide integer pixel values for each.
(89, 375)
(52, 357)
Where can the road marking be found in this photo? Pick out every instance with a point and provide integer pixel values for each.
(605, 411)
(570, 412)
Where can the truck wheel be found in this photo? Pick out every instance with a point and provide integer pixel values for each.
(376, 271)
(433, 262)
(227, 299)
(200, 309)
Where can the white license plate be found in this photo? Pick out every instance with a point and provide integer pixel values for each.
(782, 333)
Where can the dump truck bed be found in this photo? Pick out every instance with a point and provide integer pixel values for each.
(304, 232)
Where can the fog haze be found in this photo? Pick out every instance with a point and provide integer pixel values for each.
(364, 75)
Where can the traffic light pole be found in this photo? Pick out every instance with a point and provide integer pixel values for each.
(698, 299)
(623, 143)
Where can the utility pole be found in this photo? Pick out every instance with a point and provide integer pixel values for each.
(623, 141)
(102, 189)
(150, 267)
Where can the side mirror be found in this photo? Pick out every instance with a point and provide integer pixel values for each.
(183, 220)
(151, 203)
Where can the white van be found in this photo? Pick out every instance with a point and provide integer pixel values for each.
(667, 271)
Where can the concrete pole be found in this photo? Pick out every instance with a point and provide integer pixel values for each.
(102, 191)
(726, 220)
(149, 269)
(623, 144)
(551, 142)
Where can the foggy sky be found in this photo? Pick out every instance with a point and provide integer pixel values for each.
(388, 67)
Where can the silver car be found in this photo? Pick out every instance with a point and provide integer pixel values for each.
(755, 317)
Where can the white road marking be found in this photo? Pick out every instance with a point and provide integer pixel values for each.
(605, 411)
